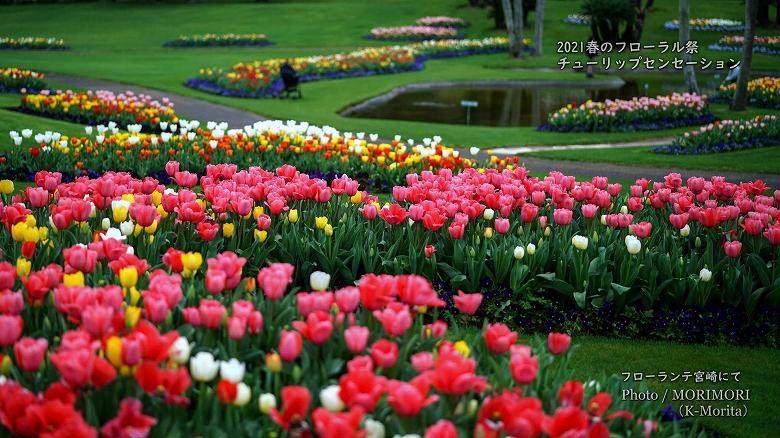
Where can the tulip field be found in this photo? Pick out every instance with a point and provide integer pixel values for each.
(186, 253)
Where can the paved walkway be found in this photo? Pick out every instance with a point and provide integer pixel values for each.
(202, 110)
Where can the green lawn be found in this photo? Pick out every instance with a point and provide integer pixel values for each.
(130, 52)
(757, 366)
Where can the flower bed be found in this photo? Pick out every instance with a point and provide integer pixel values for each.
(32, 43)
(18, 80)
(727, 135)
(261, 78)
(271, 144)
(768, 45)
(577, 19)
(223, 40)
(709, 25)
(91, 108)
(763, 92)
(639, 113)
(442, 21)
(414, 33)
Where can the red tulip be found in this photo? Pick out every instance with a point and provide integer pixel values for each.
(337, 424)
(171, 167)
(394, 214)
(29, 353)
(376, 291)
(80, 210)
(453, 374)
(429, 250)
(211, 313)
(295, 405)
(642, 229)
(467, 303)
(361, 389)
(11, 303)
(562, 216)
(772, 234)
(384, 353)
(356, 338)
(571, 393)
(129, 421)
(569, 421)
(274, 279)
(317, 328)
(207, 231)
(37, 196)
(523, 368)
(408, 399)
(558, 343)
(7, 275)
(186, 179)
(79, 258)
(290, 345)
(456, 230)
(347, 299)
(395, 318)
(360, 363)
(733, 248)
(442, 429)
(191, 211)
(422, 361)
(499, 338)
(96, 320)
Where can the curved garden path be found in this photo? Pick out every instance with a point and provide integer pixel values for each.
(204, 110)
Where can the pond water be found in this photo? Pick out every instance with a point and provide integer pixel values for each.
(514, 105)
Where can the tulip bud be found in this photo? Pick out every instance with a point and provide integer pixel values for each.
(705, 275)
(488, 233)
(624, 210)
(266, 403)
(105, 223)
(603, 219)
(472, 407)
(296, 374)
(374, 429)
(698, 242)
(273, 362)
(330, 400)
(319, 280)
(547, 232)
(328, 230)
(530, 249)
(243, 394)
(595, 237)
(519, 253)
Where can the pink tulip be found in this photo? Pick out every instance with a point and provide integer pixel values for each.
(356, 338)
(467, 303)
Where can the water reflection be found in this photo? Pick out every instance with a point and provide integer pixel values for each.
(513, 106)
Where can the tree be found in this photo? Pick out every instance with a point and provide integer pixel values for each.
(513, 16)
(607, 17)
(740, 94)
(538, 25)
(685, 35)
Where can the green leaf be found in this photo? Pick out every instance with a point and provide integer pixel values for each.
(620, 289)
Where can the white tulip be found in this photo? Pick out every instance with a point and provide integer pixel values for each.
(624, 209)
(88, 130)
(580, 242)
(243, 394)
(474, 150)
(163, 125)
(530, 249)
(203, 367)
(319, 280)
(126, 228)
(266, 402)
(330, 400)
(488, 214)
(519, 252)
(603, 219)
(633, 245)
(705, 275)
(111, 233)
(105, 224)
(27, 133)
(232, 370)
(685, 231)
(180, 351)
(374, 429)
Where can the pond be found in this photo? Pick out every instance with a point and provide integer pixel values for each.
(508, 104)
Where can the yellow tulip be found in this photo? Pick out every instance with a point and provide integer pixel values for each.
(328, 230)
(273, 362)
(191, 261)
(18, 231)
(320, 222)
(228, 229)
(135, 296)
(292, 216)
(463, 348)
(151, 228)
(120, 214)
(261, 235)
(23, 267)
(156, 197)
(356, 198)
(128, 276)
(74, 279)
(488, 233)
(6, 186)
(257, 211)
(132, 315)
(114, 351)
